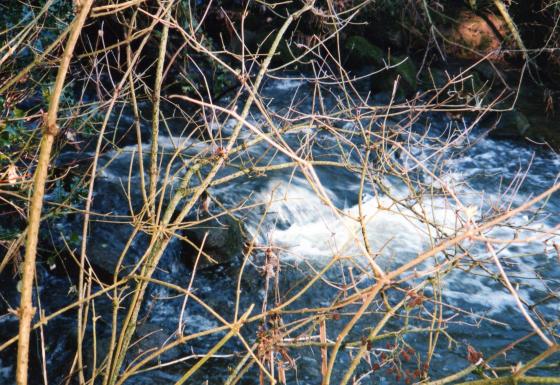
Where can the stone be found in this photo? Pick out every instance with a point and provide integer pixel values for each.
(363, 53)
(224, 240)
(475, 35)
(511, 125)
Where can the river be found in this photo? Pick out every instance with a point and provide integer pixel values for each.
(471, 179)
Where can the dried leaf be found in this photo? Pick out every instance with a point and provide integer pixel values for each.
(71, 136)
(323, 339)
(473, 356)
(12, 174)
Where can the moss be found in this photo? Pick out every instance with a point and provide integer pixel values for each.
(407, 70)
(362, 52)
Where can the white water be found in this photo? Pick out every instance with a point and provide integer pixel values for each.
(302, 227)
(491, 175)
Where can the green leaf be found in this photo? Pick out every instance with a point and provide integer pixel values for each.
(11, 129)
(19, 113)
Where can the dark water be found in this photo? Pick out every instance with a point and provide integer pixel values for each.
(486, 175)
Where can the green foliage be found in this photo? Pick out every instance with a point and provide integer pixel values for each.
(17, 15)
(8, 234)
(221, 82)
(11, 133)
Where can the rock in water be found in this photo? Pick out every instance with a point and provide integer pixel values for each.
(224, 240)
(511, 125)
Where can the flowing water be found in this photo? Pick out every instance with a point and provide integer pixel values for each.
(485, 175)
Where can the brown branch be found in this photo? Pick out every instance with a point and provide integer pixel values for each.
(26, 310)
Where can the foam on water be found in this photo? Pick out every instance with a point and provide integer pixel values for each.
(305, 228)
(195, 322)
(285, 84)
(114, 164)
(521, 263)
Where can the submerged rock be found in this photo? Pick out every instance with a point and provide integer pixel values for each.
(222, 240)
(106, 243)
